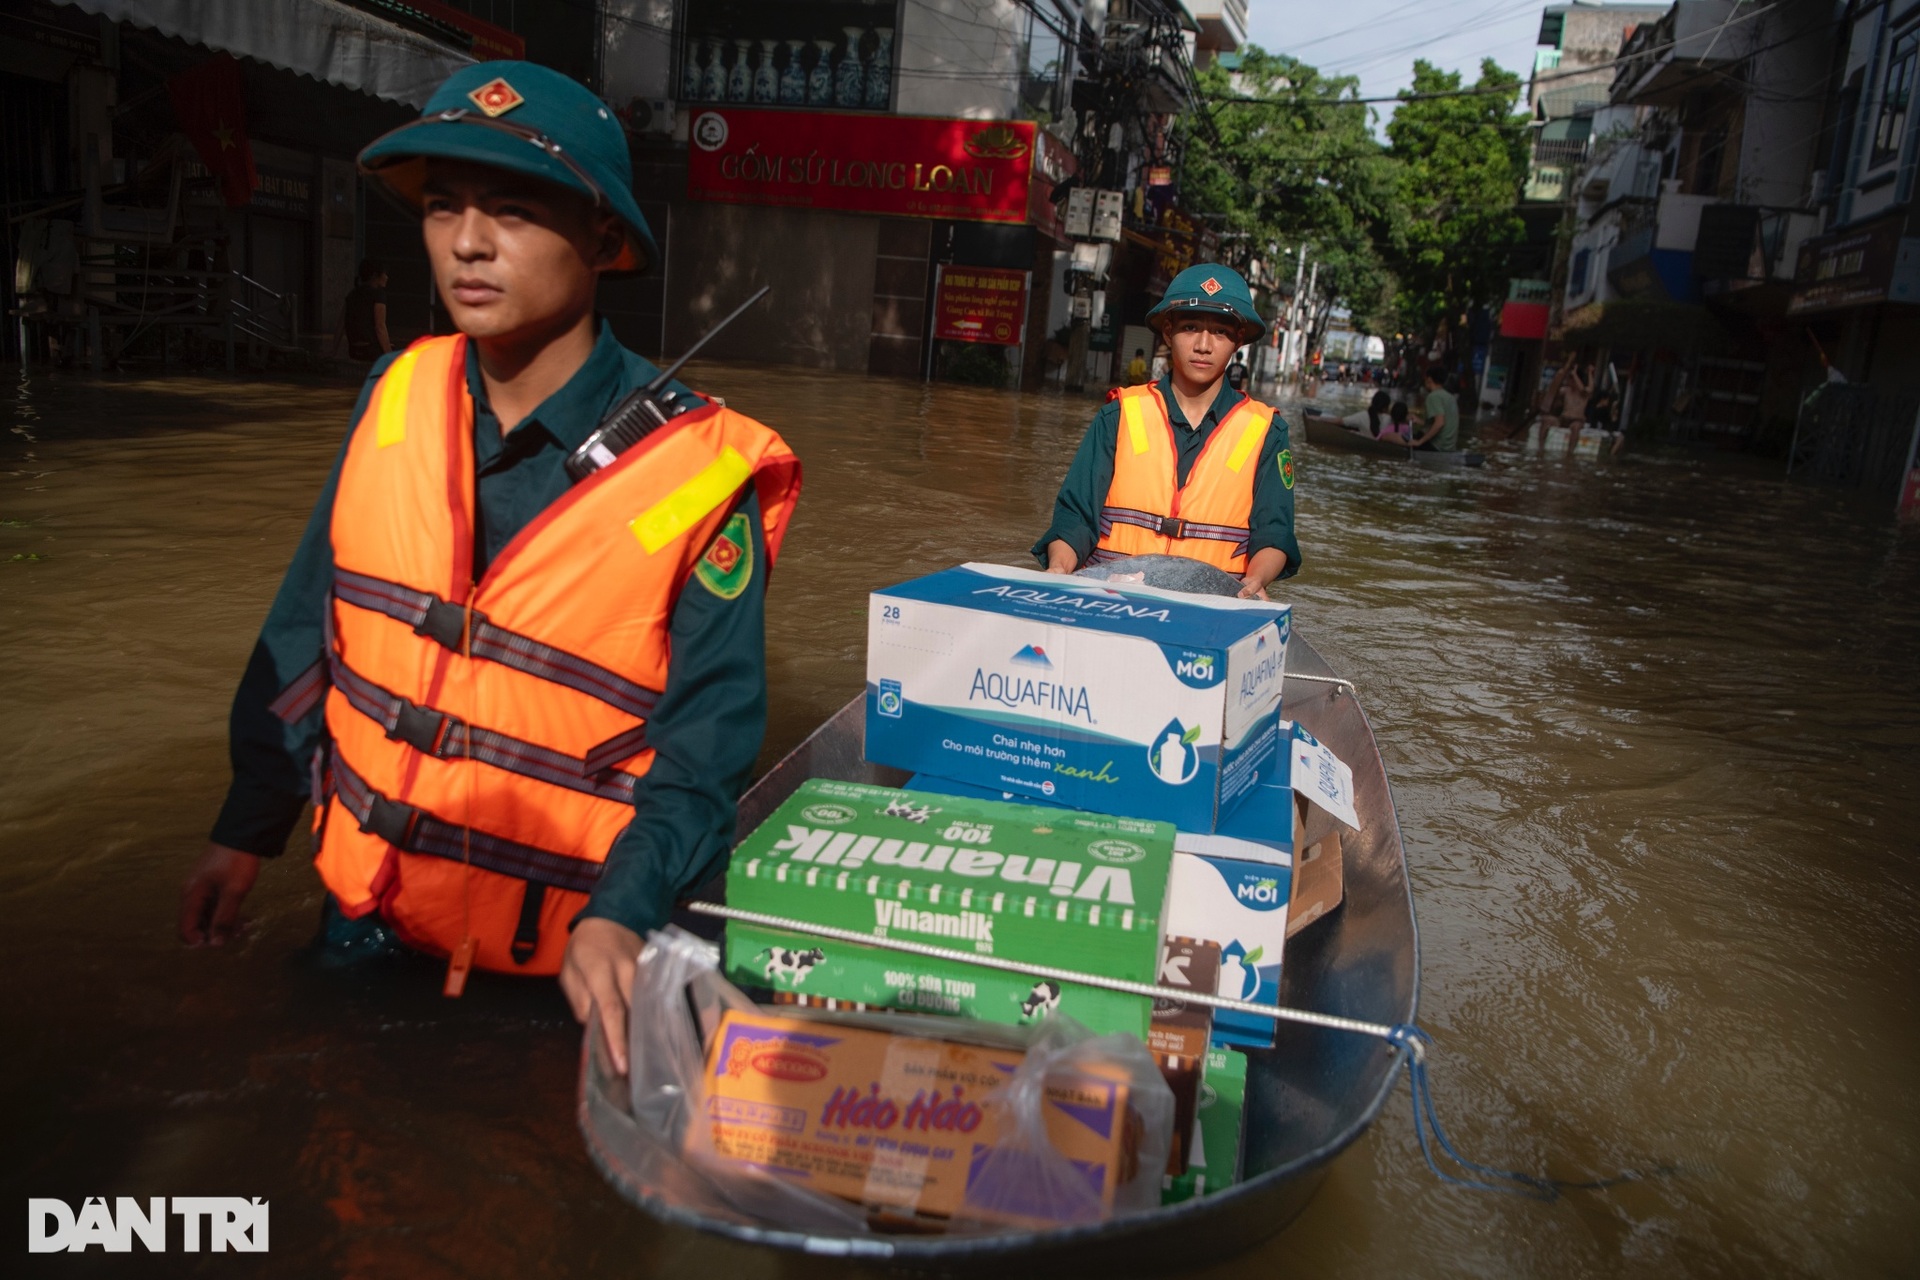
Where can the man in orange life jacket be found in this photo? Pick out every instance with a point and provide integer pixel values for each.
(524, 706)
(1187, 465)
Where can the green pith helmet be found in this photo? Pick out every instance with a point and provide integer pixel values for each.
(528, 119)
(1210, 289)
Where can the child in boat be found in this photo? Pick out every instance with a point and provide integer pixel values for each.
(1399, 428)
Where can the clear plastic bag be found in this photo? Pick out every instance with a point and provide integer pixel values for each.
(654, 1142)
(1024, 1177)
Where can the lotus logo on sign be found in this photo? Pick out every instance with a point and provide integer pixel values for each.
(996, 142)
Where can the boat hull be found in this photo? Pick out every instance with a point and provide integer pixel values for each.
(1308, 1098)
(1330, 433)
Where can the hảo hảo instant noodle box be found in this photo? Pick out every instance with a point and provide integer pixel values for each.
(1111, 699)
(898, 1123)
(1072, 890)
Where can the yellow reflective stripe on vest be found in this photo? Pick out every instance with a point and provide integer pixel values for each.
(396, 388)
(1249, 437)
(1136, 429)
(687, 505)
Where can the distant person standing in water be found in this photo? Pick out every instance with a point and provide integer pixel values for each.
(1441, 430)
(363, 321)
(1137, 367)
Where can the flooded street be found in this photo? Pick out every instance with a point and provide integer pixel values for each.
(1653, 728)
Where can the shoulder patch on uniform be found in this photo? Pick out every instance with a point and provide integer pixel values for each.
(1285, 460)
(727, 567)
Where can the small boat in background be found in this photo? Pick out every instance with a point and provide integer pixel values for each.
(1325, 431)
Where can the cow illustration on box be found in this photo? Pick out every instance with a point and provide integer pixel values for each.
(791, 967)
(1041, 1002)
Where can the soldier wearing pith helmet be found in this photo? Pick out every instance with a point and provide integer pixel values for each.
(1187, 465)
(520, 674)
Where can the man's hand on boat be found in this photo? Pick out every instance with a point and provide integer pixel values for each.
(1263, 566)
(598, 974)
(217, 885)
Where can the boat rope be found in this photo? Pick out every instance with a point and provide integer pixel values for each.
(1331, 1021)
(1405, 1037)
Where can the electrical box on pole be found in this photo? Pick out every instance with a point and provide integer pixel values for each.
(1080, 212)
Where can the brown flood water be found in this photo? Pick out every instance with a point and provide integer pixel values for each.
(1653, 726)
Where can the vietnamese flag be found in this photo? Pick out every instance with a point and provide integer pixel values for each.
(210, 103)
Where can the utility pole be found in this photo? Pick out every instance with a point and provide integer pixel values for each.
(1313, 283)
(1288, 356)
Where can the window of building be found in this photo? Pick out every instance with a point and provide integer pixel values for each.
(1577, 271)
(1047, 69)
(1890, 127)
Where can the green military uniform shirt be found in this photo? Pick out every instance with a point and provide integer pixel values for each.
(1076, 512)
(705, 730)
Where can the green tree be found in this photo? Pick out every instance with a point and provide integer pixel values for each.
(1284, 156)
(1460, 163)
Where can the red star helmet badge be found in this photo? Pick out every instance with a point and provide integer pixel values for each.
(1211, 285)
(496, 97)
(724, 554)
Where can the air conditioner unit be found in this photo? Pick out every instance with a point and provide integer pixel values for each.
(652, 116)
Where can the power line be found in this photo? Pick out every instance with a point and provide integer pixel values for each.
(1478, 92)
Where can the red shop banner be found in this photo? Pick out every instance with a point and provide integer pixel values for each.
(980, 304)
(905, 166)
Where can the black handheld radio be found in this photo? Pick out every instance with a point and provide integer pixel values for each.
(644, 410)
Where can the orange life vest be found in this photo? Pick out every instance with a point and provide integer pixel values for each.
(1209, 517)
(485, 738)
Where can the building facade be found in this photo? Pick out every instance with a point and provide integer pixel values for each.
(1688, 214)
(1572, 76)
(901, 173)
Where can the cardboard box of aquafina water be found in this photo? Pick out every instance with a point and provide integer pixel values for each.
(1123, 700)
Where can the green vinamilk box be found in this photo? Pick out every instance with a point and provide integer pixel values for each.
(1074, 890)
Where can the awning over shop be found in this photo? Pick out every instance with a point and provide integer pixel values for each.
(320, 38)
(1642, 324)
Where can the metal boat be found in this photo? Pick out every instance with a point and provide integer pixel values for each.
(1308, 1098)
(1324, 432)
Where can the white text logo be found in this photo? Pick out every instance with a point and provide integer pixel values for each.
(213, 1223)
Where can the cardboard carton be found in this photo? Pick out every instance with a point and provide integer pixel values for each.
(1114, 700)
(1218, 1134)
(1234, 894)
(1272, 869)
(828, 974)
(1178, 1039)
(1074, 890)
(889, 1121)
